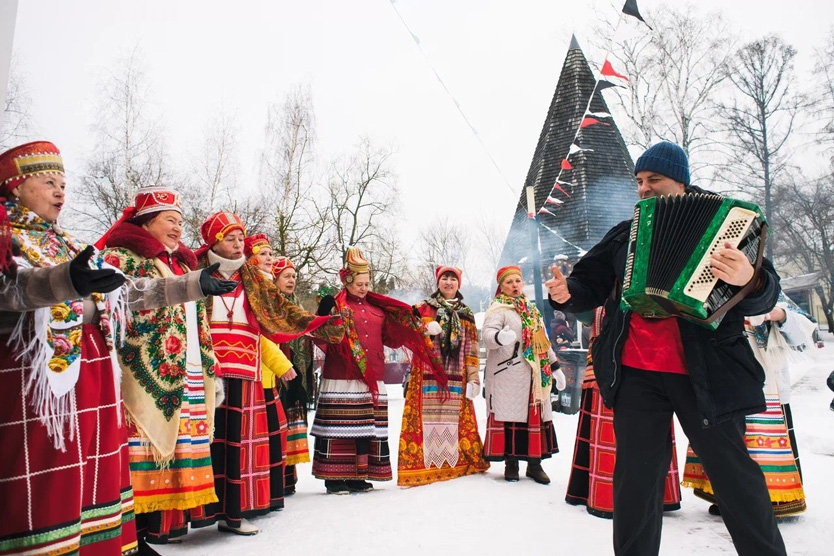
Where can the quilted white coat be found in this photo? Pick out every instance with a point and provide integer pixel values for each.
(508, 376)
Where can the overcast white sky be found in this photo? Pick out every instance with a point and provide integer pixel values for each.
(500, 59)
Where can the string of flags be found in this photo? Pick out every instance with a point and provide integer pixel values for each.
(474, 131)
(608, 77)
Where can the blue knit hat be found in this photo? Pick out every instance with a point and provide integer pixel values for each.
(666, 159)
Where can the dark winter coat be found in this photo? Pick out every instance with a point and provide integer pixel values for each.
(725, 375)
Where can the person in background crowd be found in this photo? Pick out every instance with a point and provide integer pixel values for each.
(276, 368)
(439, 438)
(560, 333)
(296, 391)
(519, 374)
(168, 371)
(244, 476)
(351, 423)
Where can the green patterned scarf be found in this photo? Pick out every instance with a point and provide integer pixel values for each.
(449, 313)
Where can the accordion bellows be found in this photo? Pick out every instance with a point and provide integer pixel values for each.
(668, 271)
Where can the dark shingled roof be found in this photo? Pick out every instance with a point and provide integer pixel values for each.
(604, 190)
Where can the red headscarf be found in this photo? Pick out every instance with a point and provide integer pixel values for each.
(505, 271)
(441, 270)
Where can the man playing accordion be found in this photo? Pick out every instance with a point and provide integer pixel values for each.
(649, 368)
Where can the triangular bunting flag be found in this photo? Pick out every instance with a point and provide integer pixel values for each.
(545, 211)
(630, 8)
(608, 71)
(574, 148)
(565, 183)
(554, 201)
(603, 84)
(556, 186)
(566, 165)
(598, 114)
(586, 122)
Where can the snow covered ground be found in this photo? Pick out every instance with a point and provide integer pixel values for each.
(484, 515)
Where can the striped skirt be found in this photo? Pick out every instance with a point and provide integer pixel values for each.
(162, 493)
(351, 432)
(77, 501)
(534, 440)
(244, 473)
(769, 444)
(591, 480)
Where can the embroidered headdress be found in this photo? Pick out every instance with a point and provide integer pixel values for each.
(148, 200)
(28, 160)
(281, 264)
(355, 264)
(252, 245)
(219, 224)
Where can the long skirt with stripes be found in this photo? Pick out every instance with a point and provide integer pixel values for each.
(246, 478)
(770, 444)
(351, 432)
(77, 501)
(591, 480)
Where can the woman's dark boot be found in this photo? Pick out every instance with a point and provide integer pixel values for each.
(511, 470)
(535, 472)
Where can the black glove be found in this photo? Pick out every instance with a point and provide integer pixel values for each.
(87, 280)
(213, 286)
(326, 305)
(831, 380)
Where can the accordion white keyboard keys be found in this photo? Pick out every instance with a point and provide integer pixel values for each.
(732, 230)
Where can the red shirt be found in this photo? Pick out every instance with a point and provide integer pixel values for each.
(368, 320)
(654, 345)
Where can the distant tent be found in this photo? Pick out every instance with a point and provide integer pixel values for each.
(597, 192)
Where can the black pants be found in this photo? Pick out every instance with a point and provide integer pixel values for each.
(642, 410)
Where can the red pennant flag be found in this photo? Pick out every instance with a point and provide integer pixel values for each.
(530, 215)
(566, 165)
(588, 121)
(554, 201)
(608, 70)
(556, 186)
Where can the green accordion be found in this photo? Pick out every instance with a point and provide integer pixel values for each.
(668, 271)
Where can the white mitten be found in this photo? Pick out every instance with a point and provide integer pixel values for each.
(219, 391)
(559, 378)
(434, 328)
(506, 336)
(472, 389)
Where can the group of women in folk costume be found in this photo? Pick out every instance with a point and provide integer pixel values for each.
(67, 483)
(180, 398)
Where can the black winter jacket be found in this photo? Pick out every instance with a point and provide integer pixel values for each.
(725, 375)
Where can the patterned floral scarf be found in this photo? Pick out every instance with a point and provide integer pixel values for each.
(55, 351)
(449, 313)
(534, 342)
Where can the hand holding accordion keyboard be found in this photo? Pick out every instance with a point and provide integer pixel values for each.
(671, 243)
